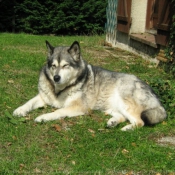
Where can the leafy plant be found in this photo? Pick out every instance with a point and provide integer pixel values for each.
(14, 120)
(165, 89)
(170, 50)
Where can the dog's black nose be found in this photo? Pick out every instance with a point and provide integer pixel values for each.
(56, 78)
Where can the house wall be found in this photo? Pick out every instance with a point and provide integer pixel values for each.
(138, 21)
(138, 25)
(124, 41)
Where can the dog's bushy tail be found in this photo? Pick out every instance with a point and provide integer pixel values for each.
(153, 115)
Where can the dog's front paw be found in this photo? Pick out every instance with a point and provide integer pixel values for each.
(112, 122)
(42, 118)
(20, 112)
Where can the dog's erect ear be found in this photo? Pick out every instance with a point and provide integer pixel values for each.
(74, 50)
(50, 48)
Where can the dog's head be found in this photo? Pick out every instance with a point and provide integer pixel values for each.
(65, 64)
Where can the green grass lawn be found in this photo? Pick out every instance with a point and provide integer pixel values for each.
(80, 145)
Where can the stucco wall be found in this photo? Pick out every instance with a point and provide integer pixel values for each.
(138, 14)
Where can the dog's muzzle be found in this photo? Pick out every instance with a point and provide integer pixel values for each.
(56, 78)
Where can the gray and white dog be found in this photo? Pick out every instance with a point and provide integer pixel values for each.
(74, 87)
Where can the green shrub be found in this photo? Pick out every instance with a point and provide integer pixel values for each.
(170, 50)
(165, 90)
(53, 17)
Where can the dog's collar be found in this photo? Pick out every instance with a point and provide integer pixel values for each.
(83, 75)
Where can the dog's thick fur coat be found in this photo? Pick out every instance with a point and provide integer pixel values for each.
(74, 87)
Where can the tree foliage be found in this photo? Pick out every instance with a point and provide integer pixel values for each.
(7, 16)
(170, 50)
(53, 16)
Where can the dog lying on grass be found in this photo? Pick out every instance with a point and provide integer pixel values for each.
(74, 87)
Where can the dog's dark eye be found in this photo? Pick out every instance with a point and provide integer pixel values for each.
(66, 66)
(53, 66)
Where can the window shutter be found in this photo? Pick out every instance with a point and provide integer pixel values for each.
(163, 26)
(124, 15)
